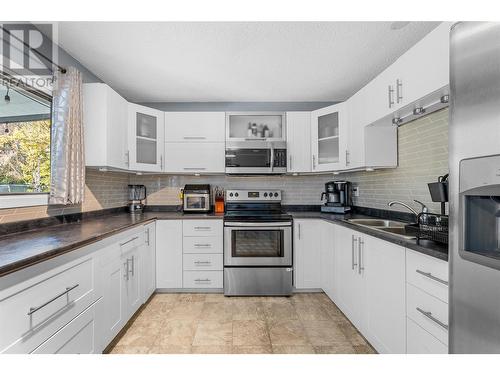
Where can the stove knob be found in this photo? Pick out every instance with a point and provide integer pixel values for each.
(236, 194)
(265, 195)
(230, 194)
(276, 195)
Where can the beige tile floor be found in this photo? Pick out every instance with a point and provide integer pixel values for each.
(305, 323)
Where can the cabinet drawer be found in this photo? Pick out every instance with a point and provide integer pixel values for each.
(202, 279)
(77, 337)
(202, 245)
(33, 311)
(205, 262)
(419, 341)
(419, 304)
(202, 227)
(131, 242)
(427, 273)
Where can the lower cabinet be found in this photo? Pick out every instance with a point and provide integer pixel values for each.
(307, 253)
(327, 238)
(148, 262)
(169, 254)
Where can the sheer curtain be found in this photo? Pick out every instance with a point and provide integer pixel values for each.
(67, 182)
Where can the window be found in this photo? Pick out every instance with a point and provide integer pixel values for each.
(24, 146)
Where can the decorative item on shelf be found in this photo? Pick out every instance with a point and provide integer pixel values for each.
(260, 131)
(219, 200)
(254, 130)
(249, 130)
(266, 131)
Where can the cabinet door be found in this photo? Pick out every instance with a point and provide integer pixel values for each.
(355, 151)
(384, 272)
(328, 259)
(298, 141)
(425, 67)
(169, 254)
(349, 282)
(307, 251)
(132, 286)
(195, 157)
(110, 316)
(146, 138)
(195, 126)
(328, 138)
(148, 273)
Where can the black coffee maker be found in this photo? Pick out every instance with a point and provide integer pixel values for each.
(338, 195)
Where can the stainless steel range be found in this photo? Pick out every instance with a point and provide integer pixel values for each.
(257, 244)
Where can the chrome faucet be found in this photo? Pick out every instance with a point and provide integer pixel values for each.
(424, 207)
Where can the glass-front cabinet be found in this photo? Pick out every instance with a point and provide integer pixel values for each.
(328, 138)
(146, 129)
(244, 126)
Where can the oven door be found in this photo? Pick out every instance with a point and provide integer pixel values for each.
(258, 244)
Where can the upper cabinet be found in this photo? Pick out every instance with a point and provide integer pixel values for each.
(195, 142)
(298, 141)
(145, 138)
(104, 121)
(241, 126)
(195, 126)
(328, 138)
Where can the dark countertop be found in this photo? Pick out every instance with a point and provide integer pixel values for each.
(431, 248)
(23, 249)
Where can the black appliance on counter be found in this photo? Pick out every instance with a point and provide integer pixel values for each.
(197, 198)
(338, 195)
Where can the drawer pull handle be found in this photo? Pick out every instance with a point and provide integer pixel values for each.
(126, 242)
(193, 169)
(202, 280)
(202, 245)
(202, 228)
(194, 137)
(35, 309)
(202, 262)
(428, 314)
(432, 277)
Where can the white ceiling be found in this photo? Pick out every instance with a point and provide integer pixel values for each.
(238, 61)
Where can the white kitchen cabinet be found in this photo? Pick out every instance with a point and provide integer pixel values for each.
(169, 254)
(298, 142)
(208, 157)
(383, 265)
(148, 262)
(104, 127)
(424, 68)
(307, 253)
(419, 341)
(328, 259)
(130, 250)
(145, 138)
(195, 126)
(349, 280)
(328, 138)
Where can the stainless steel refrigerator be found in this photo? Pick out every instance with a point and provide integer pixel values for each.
(474, 148)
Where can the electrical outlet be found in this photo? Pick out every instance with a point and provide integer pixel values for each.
(355, 191)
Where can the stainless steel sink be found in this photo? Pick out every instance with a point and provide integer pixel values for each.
(397, 228)
(378, 223)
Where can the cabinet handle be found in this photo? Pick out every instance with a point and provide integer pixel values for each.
(428, 314)
(193, 169)
(399, 91)
(290, 166)
(195, 137)
(161, 162)
(126, 270)
(314, 161)
(68, 289)
(354, 240)
(347, 157)
(132, 260)
(432, 277)
(127, 158)
(202, 228)
(391, 93)
(202, 262)
(147, 236)
(298, 227)
(202, 245)
(202, 280)
(126, 242)
(360, 255)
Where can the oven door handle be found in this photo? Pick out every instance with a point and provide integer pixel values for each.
(262, 225)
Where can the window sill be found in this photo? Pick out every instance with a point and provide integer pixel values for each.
(23, 200)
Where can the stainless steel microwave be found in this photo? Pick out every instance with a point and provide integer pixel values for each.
(256, 157)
